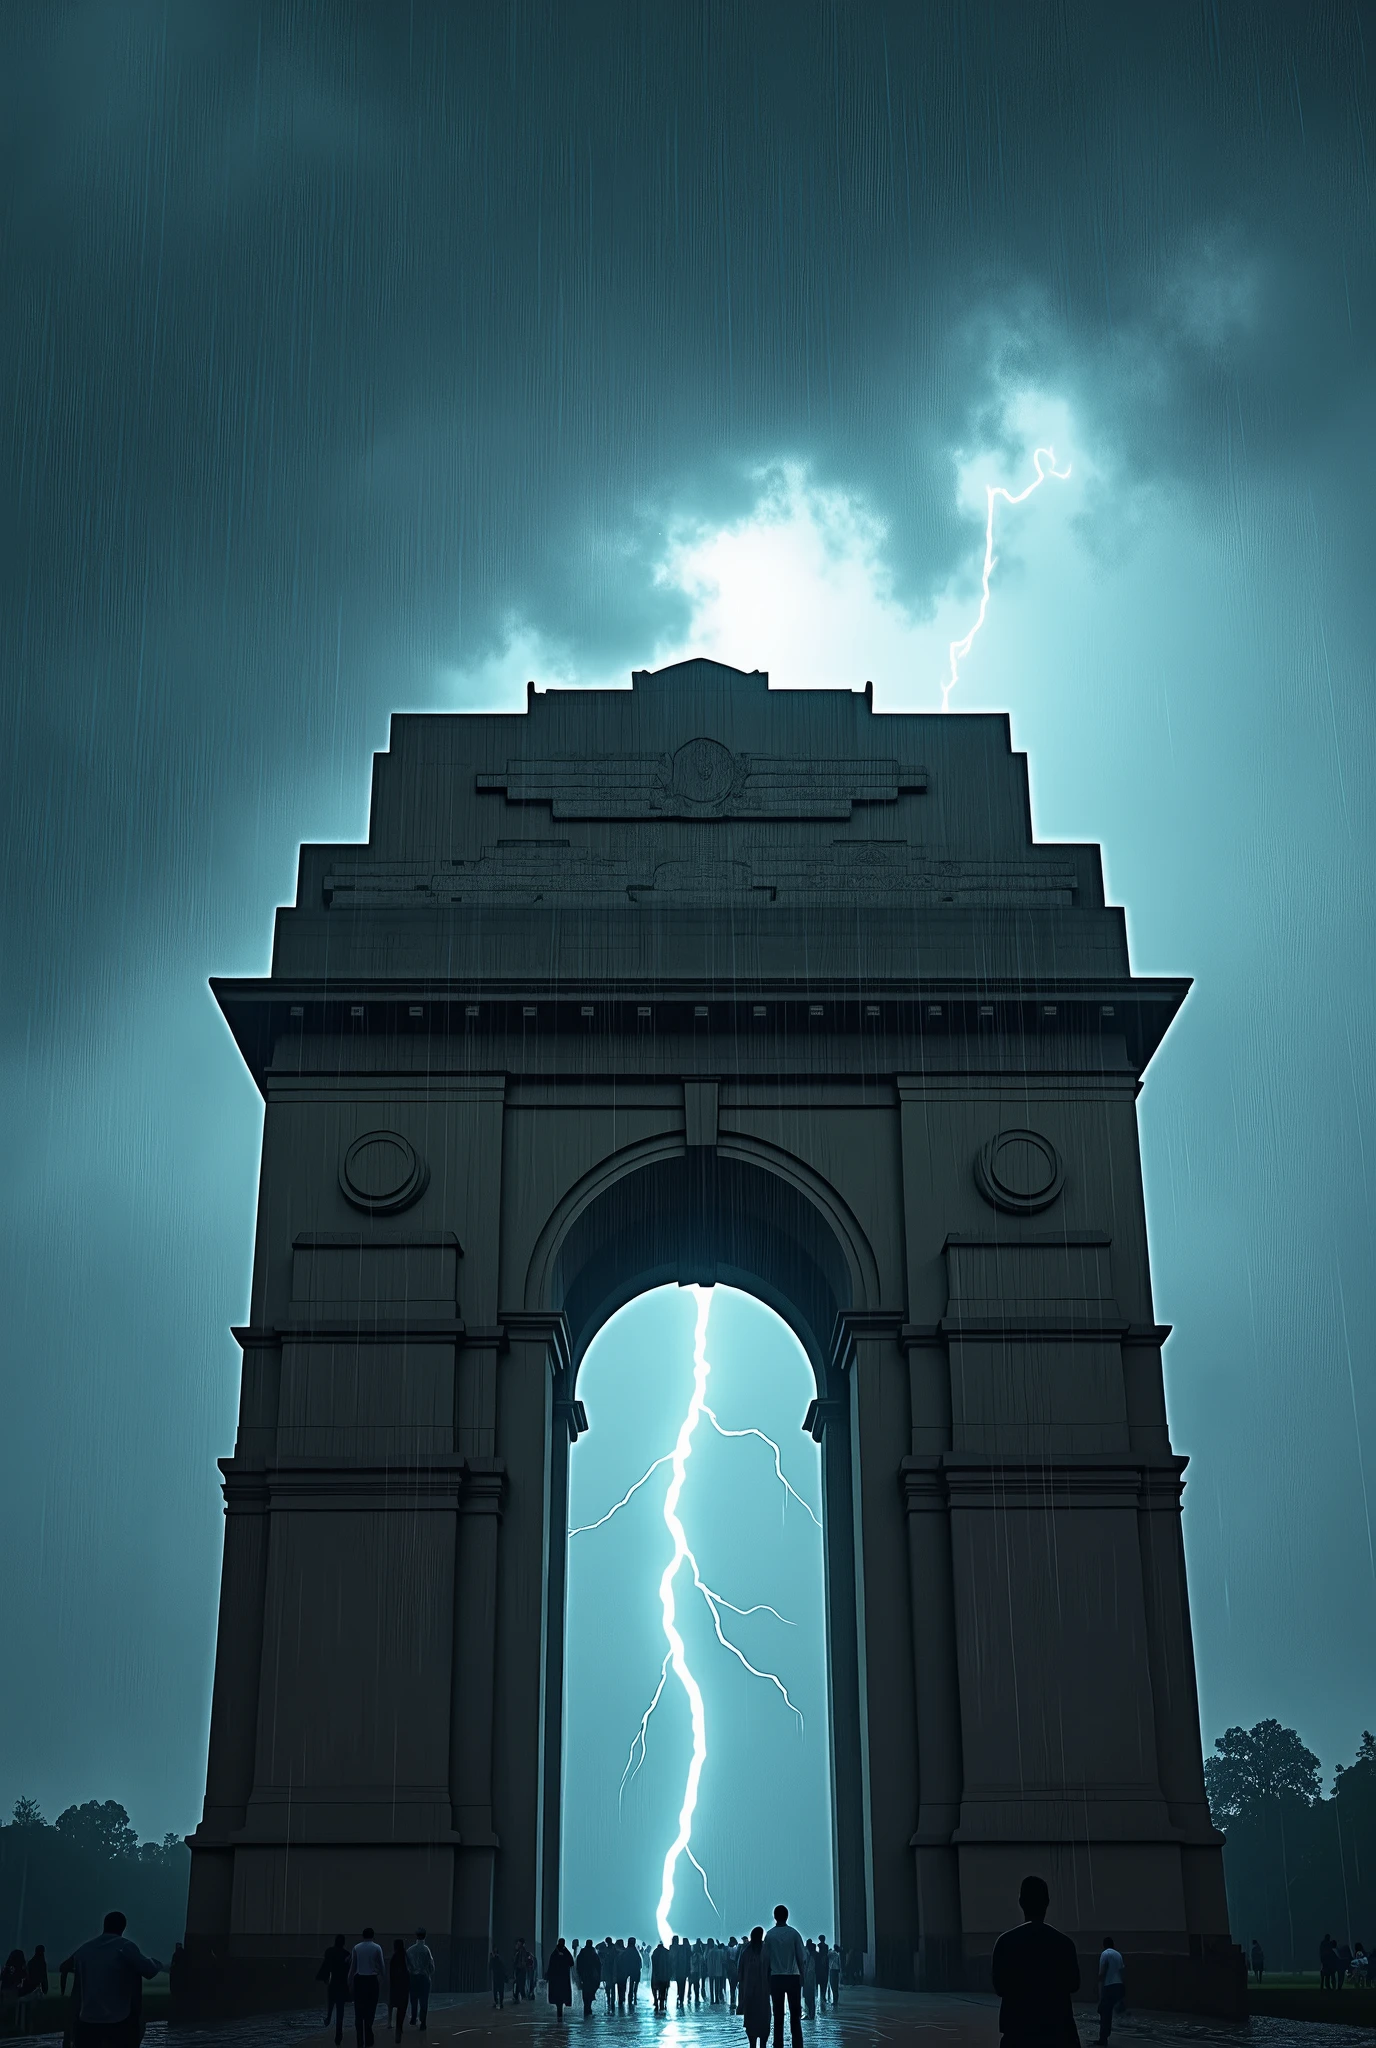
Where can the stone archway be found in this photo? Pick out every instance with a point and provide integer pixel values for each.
(703, 980)
(755, 1218)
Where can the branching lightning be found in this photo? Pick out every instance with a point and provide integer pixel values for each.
(960, 648)
(675, 1657)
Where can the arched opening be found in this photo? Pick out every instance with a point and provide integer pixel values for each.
(673, 1384)
(747, 1216)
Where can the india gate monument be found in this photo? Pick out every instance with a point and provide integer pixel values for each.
(704, 982)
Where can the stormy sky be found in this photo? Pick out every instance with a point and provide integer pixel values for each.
(372, 359)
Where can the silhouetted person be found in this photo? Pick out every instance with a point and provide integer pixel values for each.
(521, 1987)
(398, 1986)
(661, 1976)
(36, 1974)
(733, 1969)
(1112, 1986)
(681, 1957)
(589, 1968)
(366, 1968)
(1344, 1963)
(752, 1989)
(1328, 1964)
(420, 1966)
(606, 1955)
(559, 1978)
(633, 1968)
(12, 1975)
(496, 1972)
(810, 1980)
(107, 2010)
(1036, 1973)
(787, 1959)
(838, 1970)
(1258, 1960)
(823, 1969)
(334, 1975)
(1361, 1965)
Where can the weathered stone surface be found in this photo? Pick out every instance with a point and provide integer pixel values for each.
(609, 1000)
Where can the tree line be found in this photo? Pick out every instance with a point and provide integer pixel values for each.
(58, 1880)
(1298, 1865)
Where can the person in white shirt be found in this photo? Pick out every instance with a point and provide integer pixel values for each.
(1112, 1986)
(786, 1956)
(365, 1982)
(421, 1967)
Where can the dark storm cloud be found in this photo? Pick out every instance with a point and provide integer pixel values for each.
(342, 343)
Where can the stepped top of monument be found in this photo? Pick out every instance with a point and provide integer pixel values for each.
(698, 832)
(702, 783)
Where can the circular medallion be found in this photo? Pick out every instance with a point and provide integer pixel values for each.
(704, 772)
(382, 1171)
(1019, 1171)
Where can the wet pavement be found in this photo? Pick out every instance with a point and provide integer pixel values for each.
(866, 2019)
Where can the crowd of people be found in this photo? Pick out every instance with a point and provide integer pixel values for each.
(769, 1977)
(694, 1972)
(760, 1977)
(361, 1976)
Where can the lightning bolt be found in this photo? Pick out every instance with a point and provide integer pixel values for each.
(675, 1656)
(960, 648)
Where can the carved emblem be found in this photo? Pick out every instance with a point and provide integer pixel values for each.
(703, 779)
(382, 1172)
(1019, 1171)
(701, 776)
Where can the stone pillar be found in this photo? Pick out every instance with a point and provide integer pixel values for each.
(528, 1695)
(569, 1420)
(829, 1423)
(233, 1721)
(879, 1413)
(939, 1946)
(1175, 1703)
(470, 1726)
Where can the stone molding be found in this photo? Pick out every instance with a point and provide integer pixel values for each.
(949, 1480)
(337, 1483)
(702, 778)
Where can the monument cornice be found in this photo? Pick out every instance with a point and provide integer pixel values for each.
(995, 1021)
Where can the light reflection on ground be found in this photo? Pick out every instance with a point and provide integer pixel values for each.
(865, 2018)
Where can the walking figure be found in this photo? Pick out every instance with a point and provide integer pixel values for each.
(661, 1976)
(334, 1975)
(787, 1959)
(752, 1989)
(420, 1965)
(398, 1985)
(496, 1970)
(365, 1984)
(589, 1968)
(1112, 1987)
(108, 1999)
(559, 1978)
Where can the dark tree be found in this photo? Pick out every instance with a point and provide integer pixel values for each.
(102, 1828)
(1254, 1767)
